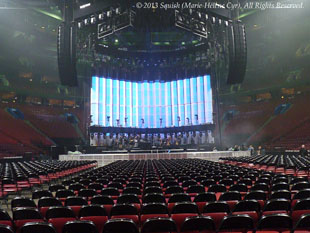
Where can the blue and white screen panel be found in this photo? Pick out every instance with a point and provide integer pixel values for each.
(152, 104)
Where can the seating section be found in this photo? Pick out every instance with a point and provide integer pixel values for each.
(16, 177)
(287, 164)
(16, 137)
(38, 130)
(185, 195)
(258, 123)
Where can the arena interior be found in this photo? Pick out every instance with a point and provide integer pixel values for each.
(128, 116)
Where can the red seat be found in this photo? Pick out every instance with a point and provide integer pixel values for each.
(183, 210)
(24, 215)
(217, 211)
(5, 218)
(94, 213)
(153, 210)
(58, 216)
(125, 211)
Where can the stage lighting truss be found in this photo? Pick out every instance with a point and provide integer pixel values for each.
(196, 21)
(108, 21)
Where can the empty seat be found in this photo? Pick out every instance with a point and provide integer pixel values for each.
(178, 197)
(236, 223)
(95, 213)
(24, 215)
(87, 193)
(6, 229)
(37, 227)
(183, 210)
(152, 189)
(132, 190)
(129, 199)
(301, 207)
(37, 194)
(58, 216)
(302, 194)
(5, 218)
(153, 197)
(284, 194)
(275, 222)
(300, 186)
(120, 226)
(62, 194)
(303, 224)
(217, 188)
(22, 202)
(280, 186)
(45, 202)
(153, 210)
(249, 207)
(76, 187)
(125, 211)
(113, 192)
(173, 189)
(56, 187)
(96, 186)
(277, 206)
(217, 211)
(202, 198)
(258, 195)
(260, 187)
(194, 189)
(161, 225)
(239, 187)
(198, 224)
(75, 203)
(79, 227)
(231, 197)
(106, 201)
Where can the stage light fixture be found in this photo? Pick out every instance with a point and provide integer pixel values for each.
(109, 14)
(116, 40)
(85, 5)
(93, 19)
(86, 22)
(101, 16)
(118, 10)
(80, 25)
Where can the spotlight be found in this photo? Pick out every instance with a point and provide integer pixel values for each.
(101, 16)
(207, 17)
(118, 10)
(109, 13)
(93, 19)
(86, 22)
(116, 40)
(80, 25)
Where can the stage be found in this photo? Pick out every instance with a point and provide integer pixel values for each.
(104, 159)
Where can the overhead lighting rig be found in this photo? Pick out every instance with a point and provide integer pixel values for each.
(108, 21)
(196, 21)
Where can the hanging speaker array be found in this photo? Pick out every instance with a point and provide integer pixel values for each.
(237, 53)
(66, 51)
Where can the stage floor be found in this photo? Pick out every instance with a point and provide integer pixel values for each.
(104, 159)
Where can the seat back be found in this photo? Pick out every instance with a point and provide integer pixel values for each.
(79, 227)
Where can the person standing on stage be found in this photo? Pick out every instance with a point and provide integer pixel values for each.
(303, 151)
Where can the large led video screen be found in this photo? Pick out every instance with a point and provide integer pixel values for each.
(151, 104)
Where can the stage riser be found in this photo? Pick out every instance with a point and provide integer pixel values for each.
(109, 158)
